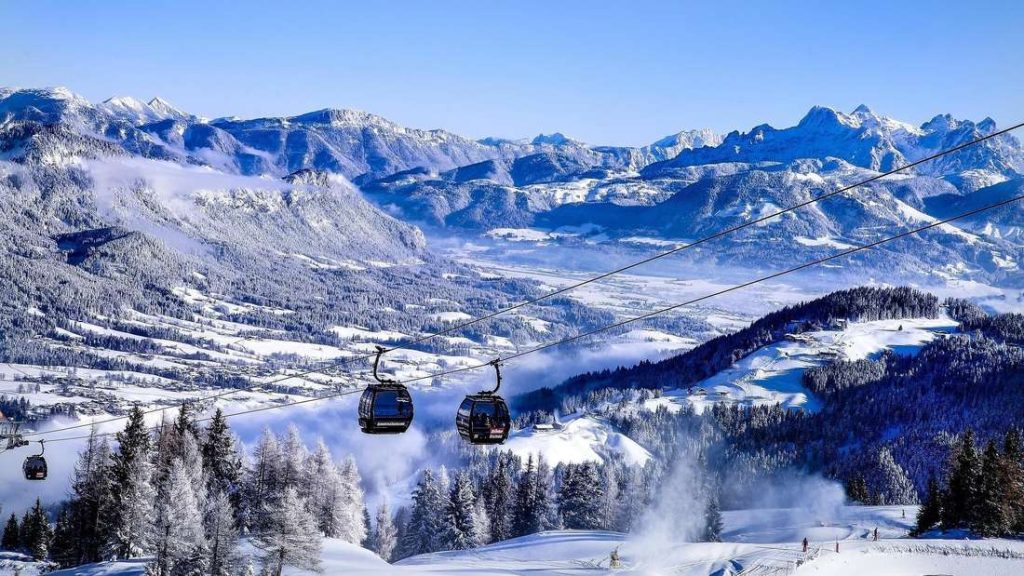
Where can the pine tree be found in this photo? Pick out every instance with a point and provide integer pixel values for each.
(960, 501)
(220, 458)
(991, 518)
(178, 536)
(500, 498)
(91, 506)
(712, 521)
(526, 515)
(63, 548)
(460, 529)
(221, 536)
(384, 534)
(423, 533)
(134, 530)
(857, 490)
(11, 539)
(891, 485)
(37, 533)
(581, 496)
(931, 509)
(349, 495)
(260, 481)
(292, 460)
(1012, 474)
(290, 536)
(481, 522)
(547, 506)
(127, 466)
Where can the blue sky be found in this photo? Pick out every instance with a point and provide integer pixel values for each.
(623, 72)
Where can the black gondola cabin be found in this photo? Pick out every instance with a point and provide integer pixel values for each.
(483, 418)
(385, 407)
(35, 468)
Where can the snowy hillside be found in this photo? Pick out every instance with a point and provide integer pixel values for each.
(748, 549)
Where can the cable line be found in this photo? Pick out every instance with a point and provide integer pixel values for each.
(473, 321)
(621, 323)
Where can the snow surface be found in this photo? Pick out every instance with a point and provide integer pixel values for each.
(773, 374)
(749, 549)
(577, 440)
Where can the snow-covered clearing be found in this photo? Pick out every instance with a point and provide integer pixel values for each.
(575, 440)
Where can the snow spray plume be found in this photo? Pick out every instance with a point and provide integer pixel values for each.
(675, 516)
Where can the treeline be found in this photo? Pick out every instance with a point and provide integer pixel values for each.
(502, 497)
(184, 495)
(717, 354)
(983, 490)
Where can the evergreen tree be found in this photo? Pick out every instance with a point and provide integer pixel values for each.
(526, 516)
(289, 536)
(1012, 473)
(481, 521)
(91, 506)
(423, 533)
(712, 521)
(349, 497)
(260, 481)
(857, 490)
(992, 516)
(127, 467)
(178, 536)
(63, 547)
(384, 534)
(581, 496)
(36, 533)
(220, 458)
(961, 499)
(291, 461)
(500, 498)
(547, 505)
(221, 536)
(460, 528)
(930, 513)
(11, 539)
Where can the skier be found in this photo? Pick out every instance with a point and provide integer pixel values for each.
(876, 533)
(837, 546)
(805, 545)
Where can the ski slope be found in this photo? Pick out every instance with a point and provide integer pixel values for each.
(773, 374)
(757, 542)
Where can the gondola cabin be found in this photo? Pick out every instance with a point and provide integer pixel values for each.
(483, 419)
(35, 468)
(385, 409)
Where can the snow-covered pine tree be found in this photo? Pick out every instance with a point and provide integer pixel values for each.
(481, 522)
(890, 483)
(526, 518)
(320, 488)
(349, 495)
(423, 531)
(221, 536)
(179, 541)
(11, 539)
(134, 530)
(290, 536)
(547, 505)
(385, 533)
(220, 458)
(500, 497)
(460, 529)
(35, 532)
(259, 481)
(291, 461)
(611, 503)
(581, 497)
(128, 464)
(88, 508)
(63, 547)
(712, 520)
(366, 542)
